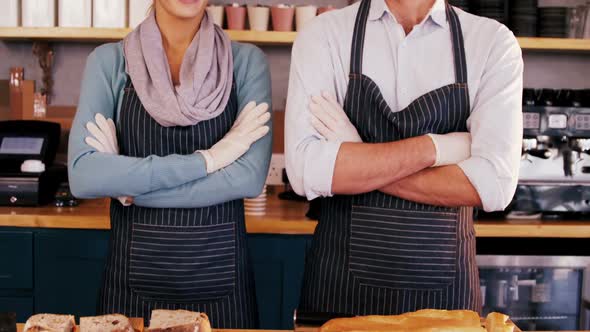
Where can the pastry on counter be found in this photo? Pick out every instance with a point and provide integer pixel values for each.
(427, 320)
(178, 321)
(106, 323)
(50, 323)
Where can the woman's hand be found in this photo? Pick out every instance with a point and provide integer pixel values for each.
(104, 139)
(249, 127)
(330, 120)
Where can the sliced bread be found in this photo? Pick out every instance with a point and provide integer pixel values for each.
(106, 323)
(178, 321)
(50, 323)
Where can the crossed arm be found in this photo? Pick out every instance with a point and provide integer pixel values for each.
(322, 167)
(170, 181)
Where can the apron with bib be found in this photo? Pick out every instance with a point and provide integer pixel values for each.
(193, 259)
(376, 254)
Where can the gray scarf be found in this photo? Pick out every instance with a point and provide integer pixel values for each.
(206, 74)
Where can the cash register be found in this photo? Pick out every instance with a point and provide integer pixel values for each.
(28, 176)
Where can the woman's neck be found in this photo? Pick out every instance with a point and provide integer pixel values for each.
(409, 12)
(177, 35)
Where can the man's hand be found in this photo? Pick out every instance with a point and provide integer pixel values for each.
(330, 120)
(104, 139)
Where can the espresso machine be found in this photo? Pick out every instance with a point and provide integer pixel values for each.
(554, 180)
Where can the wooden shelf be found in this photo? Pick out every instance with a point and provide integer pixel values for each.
(106, 35)
(263, 37)
(64, 34)
(555, 44)
(255, 37)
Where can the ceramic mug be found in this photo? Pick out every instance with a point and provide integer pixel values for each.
(258, 17)
(216, 14)
(236, 16)
(282, 17)
(304, 14)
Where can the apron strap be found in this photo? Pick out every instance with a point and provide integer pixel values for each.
(358, 38)
(358, 41)
(458, 45)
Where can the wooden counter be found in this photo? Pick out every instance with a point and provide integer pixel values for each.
(21, 326)
(282, 217)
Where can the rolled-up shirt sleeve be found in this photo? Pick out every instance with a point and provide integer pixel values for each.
(309, 159)
(495, 125)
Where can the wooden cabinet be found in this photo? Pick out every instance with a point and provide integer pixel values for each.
(22, 305)
(69, 268)
(278, 272)
(16, 260)
(60, 271)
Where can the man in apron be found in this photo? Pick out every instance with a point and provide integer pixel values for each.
(404, 115)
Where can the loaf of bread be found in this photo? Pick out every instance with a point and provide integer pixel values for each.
(106, 323)
(50, 323)
(178, 321)
(427, 320)
(497, 322)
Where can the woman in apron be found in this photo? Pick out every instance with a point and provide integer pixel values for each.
(374, 252)
(174, 122)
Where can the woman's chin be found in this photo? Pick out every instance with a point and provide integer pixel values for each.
(184, 9)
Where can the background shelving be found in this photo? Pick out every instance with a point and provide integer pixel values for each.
(256, 37)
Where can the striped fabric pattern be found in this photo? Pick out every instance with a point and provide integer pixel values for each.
(379, 254)
(192, 259)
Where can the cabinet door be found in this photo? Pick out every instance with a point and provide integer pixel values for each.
(69, 268)
(23, 306)
(16, 260)
(278, 263)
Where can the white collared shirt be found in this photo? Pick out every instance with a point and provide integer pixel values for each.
(405, 68)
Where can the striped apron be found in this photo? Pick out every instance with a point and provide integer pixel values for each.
(379, 254)
(193, 259)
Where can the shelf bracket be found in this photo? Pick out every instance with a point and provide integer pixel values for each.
(42, 50)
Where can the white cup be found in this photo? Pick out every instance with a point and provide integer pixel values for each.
(216, 14)
(304, 14)
(258, 17)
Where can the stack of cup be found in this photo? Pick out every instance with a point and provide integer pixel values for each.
(304, 14)
(258, 17)
(215, 13)
(236, 16)
(282, 17)
(256, 206)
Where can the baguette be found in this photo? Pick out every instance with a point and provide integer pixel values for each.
(497, 322)
(178, 321)
(426, 320)
(50, 323)
(106, 323)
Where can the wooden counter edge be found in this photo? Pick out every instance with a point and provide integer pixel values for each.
(283, 217)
